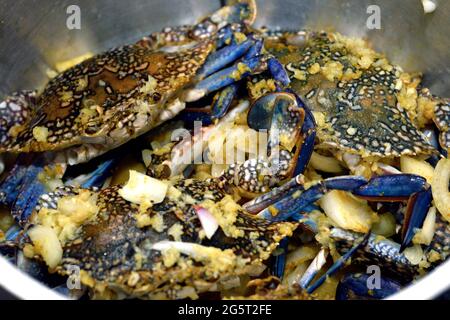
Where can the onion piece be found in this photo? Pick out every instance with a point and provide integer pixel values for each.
(347, 211)
(325, 164)
(418, 167)
(46, 244)
(439, 187)
(208, 221)
(414, 254)
(141, 188)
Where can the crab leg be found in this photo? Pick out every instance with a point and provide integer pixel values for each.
(294, 203)
(376, 249)
(226, 77)
(278, 263)
(396, 187)
(338, 264)
(308, 137)
(222, 57)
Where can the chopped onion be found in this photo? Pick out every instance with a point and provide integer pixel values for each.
(439, 187)
(208, 221)
(147, 157)
(426, 234)
(414, 166)
(46, 244)
(325, 164)
(385, 226)
(414, 254)
(141, 188)
(347, 211)
(429, 6)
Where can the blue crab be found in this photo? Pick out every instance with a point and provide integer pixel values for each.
(174, 257)
(363, 104)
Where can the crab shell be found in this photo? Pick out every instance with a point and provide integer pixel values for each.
(116, 256)
(360, 110)
(114, 97)
(107, 100)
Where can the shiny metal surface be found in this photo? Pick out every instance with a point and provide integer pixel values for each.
(34, 36)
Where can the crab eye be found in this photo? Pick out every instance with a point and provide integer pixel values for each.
(156, 97)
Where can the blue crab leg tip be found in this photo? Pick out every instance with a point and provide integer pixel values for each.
(223, 57)
(338, 264)
(223, 100)
(12, 233)
(279, 260)
(278, 72)
(227, 76)
(416, 212)
(392, 187)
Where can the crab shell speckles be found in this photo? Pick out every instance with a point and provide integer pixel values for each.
(442, 120)
(103, 100)
(361, 110)
(115, 254)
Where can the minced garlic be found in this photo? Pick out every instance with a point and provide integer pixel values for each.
(225, 211)
(46, 244)
(176, 231)
(40, 133)
(333, 70)
(156, 221)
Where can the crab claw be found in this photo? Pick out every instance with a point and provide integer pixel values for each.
(280, 114)
(416, 212)
(394, 187)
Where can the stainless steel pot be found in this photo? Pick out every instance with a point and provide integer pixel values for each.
(34, 36)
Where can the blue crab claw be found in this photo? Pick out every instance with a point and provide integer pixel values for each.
(338, 264)
(98, 176)
(416, 212)
(278, 262)
(301, 199)
(394, 187)
(353, 286)
(308, 136)
(24, 185)
(280, 115)
(263, 201)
